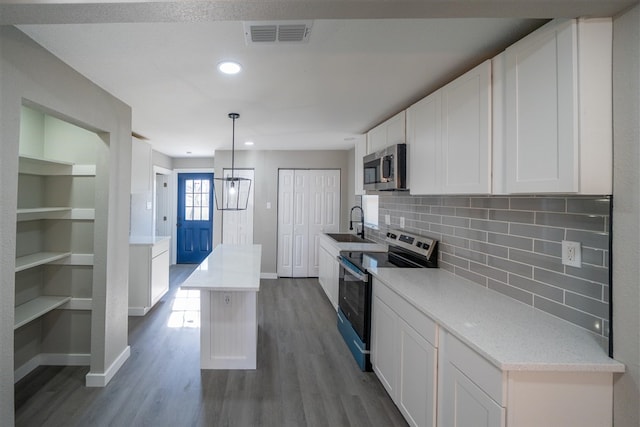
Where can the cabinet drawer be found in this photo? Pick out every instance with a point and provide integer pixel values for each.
(478, 369)
(160, 247)
(426, 327)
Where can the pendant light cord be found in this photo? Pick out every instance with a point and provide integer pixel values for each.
(233, 116)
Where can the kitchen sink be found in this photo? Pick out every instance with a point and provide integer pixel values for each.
(347, 238)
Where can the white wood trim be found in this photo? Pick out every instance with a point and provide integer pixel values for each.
(88, 214)
(95, 379)
(78, 304)
(63, 359)
(50, 359)
(23, 370)
(75, 259)
(83, 170)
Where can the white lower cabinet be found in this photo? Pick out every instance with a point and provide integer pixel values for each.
(420, 363)
(148, 273)
(417, 377)
(404, 356)
(383, 344)
(328, 274)
(470, 388)
(465, 404)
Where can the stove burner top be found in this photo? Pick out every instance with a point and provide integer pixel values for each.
(405, 251)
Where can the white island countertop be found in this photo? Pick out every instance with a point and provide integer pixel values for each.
(508, 333)
(228, 268)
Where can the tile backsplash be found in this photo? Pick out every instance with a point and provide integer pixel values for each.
(513, 246)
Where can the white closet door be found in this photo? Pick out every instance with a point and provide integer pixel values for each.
(237, 226)
(301, 195)
(324, 212)
(308, 205)
(285, 223)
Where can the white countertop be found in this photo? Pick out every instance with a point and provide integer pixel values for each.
(147, 240)
(228, 268)
(508, 333)
(369, 246)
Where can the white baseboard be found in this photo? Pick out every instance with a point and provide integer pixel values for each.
(95, 379)
(268, 275)
(138, 311)
(29, 366)
(61, 359)
(51, 359)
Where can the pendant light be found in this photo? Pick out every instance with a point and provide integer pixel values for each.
(232, 192)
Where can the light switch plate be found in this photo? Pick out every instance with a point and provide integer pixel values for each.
(401, 222)
(387, 219)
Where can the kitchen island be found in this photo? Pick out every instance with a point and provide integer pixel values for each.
(228, 281)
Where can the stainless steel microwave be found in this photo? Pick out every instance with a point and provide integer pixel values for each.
(386, 170)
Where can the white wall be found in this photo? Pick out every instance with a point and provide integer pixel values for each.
(162, 160)
(626, 216)
(266, 165)
(193, 162)
(31, 73)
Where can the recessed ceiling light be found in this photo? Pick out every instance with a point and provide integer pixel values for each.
(248, 143)
(229, 67)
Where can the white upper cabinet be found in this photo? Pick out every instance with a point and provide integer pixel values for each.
(424, 145)
(466, 133)
(557, 110)
(449, 137)
(387, 133)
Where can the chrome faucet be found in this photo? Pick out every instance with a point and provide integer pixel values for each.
(361, 233)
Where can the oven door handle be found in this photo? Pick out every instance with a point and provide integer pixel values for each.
(357, 274)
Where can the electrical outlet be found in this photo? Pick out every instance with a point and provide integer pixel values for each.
(571, 253)
(387, 219)
(227, 300)
(401, 222)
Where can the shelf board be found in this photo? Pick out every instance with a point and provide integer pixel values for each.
(42, 213)
(40, 166)
(37, 307)
(40, 258)
(32, 214)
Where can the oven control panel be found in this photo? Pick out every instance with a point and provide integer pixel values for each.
(418, 244)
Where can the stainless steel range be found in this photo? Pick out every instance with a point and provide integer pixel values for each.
(354, 304)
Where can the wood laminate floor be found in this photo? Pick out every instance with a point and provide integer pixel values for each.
(305, 374)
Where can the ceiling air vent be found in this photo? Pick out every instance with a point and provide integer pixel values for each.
(277, 32)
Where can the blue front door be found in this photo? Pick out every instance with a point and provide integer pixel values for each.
(195, 217)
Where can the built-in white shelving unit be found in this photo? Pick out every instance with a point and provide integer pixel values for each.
(54, 239)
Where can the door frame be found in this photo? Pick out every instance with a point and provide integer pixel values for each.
(171, 203)
(174, 208)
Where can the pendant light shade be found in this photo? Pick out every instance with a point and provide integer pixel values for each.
(231, 191)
